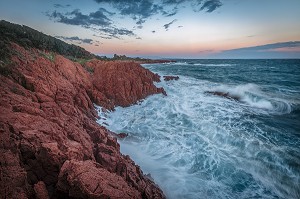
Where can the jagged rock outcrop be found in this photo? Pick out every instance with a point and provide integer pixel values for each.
(224, 94)
(169, 78)
(51, 146)
(124, 82)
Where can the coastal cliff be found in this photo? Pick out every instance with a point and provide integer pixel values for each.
(51, 145)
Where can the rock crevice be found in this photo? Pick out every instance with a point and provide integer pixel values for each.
(51, 146)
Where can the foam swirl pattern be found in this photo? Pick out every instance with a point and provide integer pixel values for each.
(197, 145)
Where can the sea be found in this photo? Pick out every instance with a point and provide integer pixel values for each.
(195, 144)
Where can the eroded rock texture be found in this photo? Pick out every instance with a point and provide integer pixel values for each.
(50, 144)
(124, 82)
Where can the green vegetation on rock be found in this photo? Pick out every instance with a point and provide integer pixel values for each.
(47, 45)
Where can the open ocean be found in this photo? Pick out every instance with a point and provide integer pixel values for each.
(197, 145)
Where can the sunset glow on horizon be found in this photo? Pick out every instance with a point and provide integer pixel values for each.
(166, 28)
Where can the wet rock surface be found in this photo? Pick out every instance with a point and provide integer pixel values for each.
(51, 146)
(169, 78)
(224, 94)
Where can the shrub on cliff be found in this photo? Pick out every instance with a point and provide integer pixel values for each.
(30, 38)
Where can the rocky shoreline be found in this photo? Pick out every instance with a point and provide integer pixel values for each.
(51, 145)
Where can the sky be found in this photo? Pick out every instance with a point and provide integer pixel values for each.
(167, 28)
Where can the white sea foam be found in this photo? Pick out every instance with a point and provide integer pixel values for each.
(197, 145)
(198, 64)
(251, 95)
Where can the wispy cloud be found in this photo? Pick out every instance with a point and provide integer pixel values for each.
(57, 5)
(270, 47)
(97, 21)
(173, 2)
(137, 10)
(289, 49)
(102, 20)
(113, 32)
(76, 39)
(210, 51)
(141, 10)
(211, 5)
(102, 37)
(76, 17)
(166, 26)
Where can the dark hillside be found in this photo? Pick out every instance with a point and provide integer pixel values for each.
(30, 38)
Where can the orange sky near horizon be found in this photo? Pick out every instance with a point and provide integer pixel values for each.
(107, 28)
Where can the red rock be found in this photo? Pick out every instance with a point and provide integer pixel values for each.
(41, 190)
(168, 78)
(124, 83)
(122, 135)
(49, 134)
(87, 179)
(119, 135)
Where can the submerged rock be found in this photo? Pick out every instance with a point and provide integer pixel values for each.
(168, 78)
(51, 145)
(122, 135)
(223, 94)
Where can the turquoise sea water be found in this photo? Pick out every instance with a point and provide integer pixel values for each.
(197, 145)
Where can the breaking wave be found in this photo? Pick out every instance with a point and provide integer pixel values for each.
(197, 145)
(251, 94)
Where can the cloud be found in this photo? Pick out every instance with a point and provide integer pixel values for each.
(171, 2)
(137, 10)
(207, 51)
(173, 6)
(211, 5)
(75, 38)
(61, 6)
(102, 37)
(289, 49)
(179, 26)
(113, 32)
(75, 17)
(270, 47)
(153, 31)
(97, 21)
(166, 26)
(174, 12)
(101, 12)
(141, 10)
(101, 21)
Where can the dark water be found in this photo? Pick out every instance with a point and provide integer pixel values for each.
(197, 145)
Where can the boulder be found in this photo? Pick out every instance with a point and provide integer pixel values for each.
(49, 134)
(168, 78)
(223, 94)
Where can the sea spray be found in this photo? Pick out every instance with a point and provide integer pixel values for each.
(197, 145)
